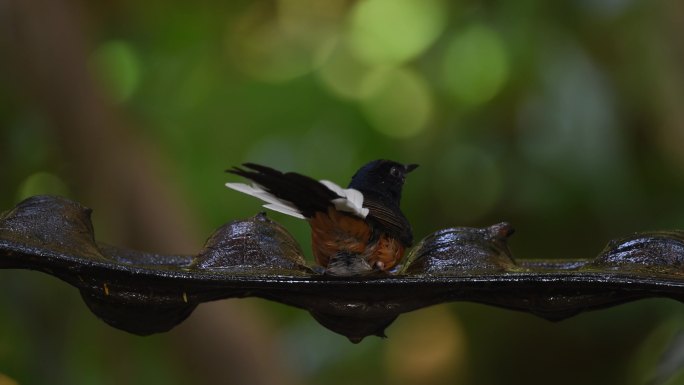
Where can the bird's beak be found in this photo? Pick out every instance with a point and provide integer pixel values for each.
(409, 167)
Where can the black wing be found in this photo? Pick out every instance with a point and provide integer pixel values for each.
(305, 193)
(390, 220)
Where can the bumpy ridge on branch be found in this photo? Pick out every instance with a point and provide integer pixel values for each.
(145, 293)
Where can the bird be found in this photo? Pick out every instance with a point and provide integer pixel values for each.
(356, 230)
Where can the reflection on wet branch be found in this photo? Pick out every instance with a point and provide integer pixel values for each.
(146, 293)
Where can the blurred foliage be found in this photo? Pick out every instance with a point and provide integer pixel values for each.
(564, 118)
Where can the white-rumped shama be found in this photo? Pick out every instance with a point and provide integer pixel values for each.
(354, 231)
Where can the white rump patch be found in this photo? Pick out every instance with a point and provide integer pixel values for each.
(350, 200)
(273, 202)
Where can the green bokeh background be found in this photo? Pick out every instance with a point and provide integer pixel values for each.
(564, 118)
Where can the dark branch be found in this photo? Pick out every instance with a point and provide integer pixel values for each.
(147, 293)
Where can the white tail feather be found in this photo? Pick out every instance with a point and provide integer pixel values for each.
(285, 210)
(273, 202)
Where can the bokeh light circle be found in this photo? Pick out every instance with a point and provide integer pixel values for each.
(116, 65)
(342, 74)
(394, 31)
(41, 183)
(397, 102)
(417, 354)
(277, 47)
(475, 65)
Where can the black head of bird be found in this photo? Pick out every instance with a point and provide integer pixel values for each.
(383, 178)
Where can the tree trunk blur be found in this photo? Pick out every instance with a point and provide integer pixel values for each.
(126, 181)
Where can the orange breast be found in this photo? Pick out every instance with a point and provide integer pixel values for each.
(334, 231)
(386, 253)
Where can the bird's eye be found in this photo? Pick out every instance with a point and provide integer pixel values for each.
(394, 171)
